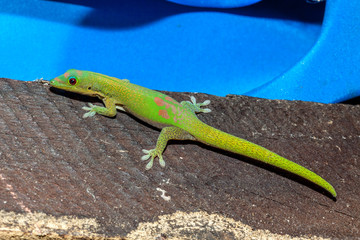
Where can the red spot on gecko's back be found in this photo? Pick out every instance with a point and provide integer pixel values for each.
(171, 99)
(66, 75)
(159, 101)
(164, 114)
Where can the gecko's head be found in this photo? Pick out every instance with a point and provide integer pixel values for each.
(72, 80)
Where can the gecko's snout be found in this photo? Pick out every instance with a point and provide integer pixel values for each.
(54, 81)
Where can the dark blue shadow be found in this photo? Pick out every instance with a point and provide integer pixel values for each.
(134, 13)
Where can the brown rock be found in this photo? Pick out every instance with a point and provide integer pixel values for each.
(62, 176)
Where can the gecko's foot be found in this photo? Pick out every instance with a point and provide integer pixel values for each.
(91, 111)
(196, 107)
(152, 154)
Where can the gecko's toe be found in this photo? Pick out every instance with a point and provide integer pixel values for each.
(145, 151)
(206, 102)
(90, 110)
(89, 114)
(145, 157)
(150, 164)
(161, 161)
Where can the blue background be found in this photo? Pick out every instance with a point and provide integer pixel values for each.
(165, 46)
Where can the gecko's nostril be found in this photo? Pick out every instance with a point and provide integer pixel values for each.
(54, 81)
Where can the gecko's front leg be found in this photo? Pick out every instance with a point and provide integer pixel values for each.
(109, 110)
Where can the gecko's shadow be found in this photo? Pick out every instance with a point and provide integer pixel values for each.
(257, 163)
(74, 96)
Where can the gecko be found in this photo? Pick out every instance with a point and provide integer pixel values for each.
(177, 121)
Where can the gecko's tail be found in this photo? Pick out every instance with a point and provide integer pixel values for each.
(225, 141)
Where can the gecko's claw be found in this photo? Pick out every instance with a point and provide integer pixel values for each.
(152, 154)
(91, 112)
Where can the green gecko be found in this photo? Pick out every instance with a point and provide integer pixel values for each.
(178, 121)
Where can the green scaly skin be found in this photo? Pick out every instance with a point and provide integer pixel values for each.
(178, 121)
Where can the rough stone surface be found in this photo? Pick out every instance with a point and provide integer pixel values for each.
(62, 176)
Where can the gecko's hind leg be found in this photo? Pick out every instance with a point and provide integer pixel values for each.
(167, 133)
(196, 107)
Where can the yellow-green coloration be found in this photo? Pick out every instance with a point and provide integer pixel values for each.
(177, 120)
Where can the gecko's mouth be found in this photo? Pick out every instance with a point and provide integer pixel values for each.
(56, 83)
(59, 84)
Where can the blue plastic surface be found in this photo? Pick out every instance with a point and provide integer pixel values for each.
(161, 45)
(330, 72)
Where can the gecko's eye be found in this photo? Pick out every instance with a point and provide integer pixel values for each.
(72, 80)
